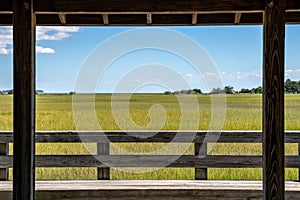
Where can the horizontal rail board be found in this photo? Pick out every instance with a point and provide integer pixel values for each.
(151, 136)
(177, 189)
(210, 161)
(140, 161)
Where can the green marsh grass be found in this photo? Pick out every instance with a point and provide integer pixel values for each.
(244, 112)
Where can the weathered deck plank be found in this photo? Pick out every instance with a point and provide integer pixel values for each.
(178, 189)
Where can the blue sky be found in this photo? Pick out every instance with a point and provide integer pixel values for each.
(62, 51)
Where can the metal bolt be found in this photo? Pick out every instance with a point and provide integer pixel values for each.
(271, 4)
(26, 5)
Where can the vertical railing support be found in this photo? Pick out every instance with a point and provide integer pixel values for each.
(299, 168)
(3, 152)
(273, 99)
(24, 100)
(200, 149)
(103, 172)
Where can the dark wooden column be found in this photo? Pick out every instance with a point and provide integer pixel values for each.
(24, 99)
(273, 99)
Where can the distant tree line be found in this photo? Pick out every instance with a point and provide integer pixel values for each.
(190, 91)
(230, 90)
(290, 87)
(11, 91)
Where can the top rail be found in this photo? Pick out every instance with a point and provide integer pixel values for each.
(150, 136)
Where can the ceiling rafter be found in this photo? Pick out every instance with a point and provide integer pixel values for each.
(237, 17)
(62, 18)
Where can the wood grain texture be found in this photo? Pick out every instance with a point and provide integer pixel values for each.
(132, 190)
(55, 6)
(103, 172)
(3, 152)
(237, 18)
(215, 161)
(273, 99)
(192, 161)
(147, 5)
(200, 150)
(24, 99)
(299, 155)
(62, 18)
(142, 19)
(165, 136)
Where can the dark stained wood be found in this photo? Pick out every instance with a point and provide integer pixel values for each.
(147, 5)
(85, 19)
(172, 19)
(191, 161)
(127, 19)
(103, 172)
(273, 99)
(6, 6)
(224, 18)
(252, 18)
(200, 149)
(168, 136)
(6, 19)
(292, 5)
(292, 17)
(112, 6)
(299, 155)
(24, 99)
(185, 161)
(50, 19)
(3, 152)
(255, 18)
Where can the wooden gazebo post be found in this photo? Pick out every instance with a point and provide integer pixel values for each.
(273, 99)
(24, 99)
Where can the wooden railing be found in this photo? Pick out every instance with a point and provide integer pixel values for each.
(103, 140)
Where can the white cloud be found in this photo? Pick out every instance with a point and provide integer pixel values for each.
(42, 33)
(189, 75)
(292, 74)
(289, 73)
(241, 75)
(44, 50)
(5, 40)
(55, 33)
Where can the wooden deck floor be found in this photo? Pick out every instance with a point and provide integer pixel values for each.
(71, 190)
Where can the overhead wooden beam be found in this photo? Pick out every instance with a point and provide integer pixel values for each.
(24, 100)
(194, 18)
(273, 99)
(62, 18)
(149, 18)
(147, 6)
(105, 19)
(144, 6)
(160, 20)
(6, 6)
(237, 18)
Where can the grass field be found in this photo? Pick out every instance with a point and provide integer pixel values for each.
(54, 112)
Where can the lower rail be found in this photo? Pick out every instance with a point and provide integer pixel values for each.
(175, 189)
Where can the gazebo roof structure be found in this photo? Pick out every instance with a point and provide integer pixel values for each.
(148, 12)
(25, 15)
